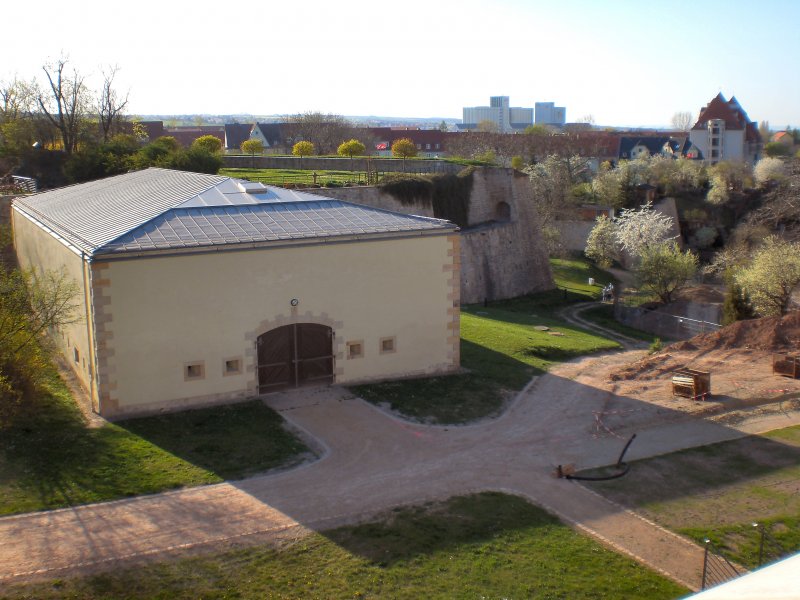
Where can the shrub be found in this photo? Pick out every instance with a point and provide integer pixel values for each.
(737, 306)
(656, 346)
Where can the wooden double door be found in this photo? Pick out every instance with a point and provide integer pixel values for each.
(295, 355)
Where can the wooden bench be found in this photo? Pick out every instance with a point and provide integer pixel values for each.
(690, 383)
(787, 365)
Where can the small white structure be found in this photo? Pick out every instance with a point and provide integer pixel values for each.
(200, 289)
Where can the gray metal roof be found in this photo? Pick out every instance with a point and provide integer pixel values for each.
(238, 224)
(160, 209)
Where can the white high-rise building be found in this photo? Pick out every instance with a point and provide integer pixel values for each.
(499, 112)
(547, 113)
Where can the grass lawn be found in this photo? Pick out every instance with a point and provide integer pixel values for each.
(51, 459)
(719, 491)
(573, 275)
(487, 545)
(502, 349)
(296, 176)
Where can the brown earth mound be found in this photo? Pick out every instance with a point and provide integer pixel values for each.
(771, 334)
(756, 336)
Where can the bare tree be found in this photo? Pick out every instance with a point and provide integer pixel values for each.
(682, 120)
(110, 103)
(780, 207)
(65, 103)
(325, 131)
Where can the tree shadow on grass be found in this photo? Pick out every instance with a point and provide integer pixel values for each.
(718, 491)
(500, 542)
(699, 470)
(413, 531)
(232, 441)
(49, 458)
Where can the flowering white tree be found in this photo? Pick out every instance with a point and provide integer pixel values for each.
(601, 246)
(769, 169)
(638, 229)
(663, 269)
(726, 177)
(772, 276)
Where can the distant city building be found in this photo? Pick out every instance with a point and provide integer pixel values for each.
(506, 118)
(547, 113)
(724, 132)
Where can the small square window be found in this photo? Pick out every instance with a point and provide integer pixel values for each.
(387, 345)
(355, 349)
(233, 366)
(194, 370)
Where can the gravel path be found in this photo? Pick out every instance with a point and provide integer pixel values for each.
(373, 461)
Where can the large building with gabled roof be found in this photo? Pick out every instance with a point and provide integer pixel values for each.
(723, 131)
(199, 289)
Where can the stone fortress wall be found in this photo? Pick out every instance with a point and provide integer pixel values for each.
(502, 252)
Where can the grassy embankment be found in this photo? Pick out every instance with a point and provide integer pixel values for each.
(719, 491)
(50, 458)
(486, 545)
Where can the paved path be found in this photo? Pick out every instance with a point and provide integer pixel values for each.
(373, 461)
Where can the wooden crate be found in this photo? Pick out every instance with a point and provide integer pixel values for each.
(690, 383)
(787, 365)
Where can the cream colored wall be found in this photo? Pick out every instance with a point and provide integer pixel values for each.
(37, 249)
(161, 313)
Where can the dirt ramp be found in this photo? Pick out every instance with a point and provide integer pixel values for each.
(752, 338)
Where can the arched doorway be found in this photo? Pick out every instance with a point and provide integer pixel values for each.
(502, 212)
(294, 355)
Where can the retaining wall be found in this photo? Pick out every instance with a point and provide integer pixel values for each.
(317, 163)
(502, 253)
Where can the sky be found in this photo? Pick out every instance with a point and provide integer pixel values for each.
(624, 62)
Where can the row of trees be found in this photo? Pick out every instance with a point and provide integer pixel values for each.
(402, 148)
(127, 152)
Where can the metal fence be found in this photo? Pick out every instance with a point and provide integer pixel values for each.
(673, 327)
(716, 568)
(16, 184)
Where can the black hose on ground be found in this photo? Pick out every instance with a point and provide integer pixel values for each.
(623, 466)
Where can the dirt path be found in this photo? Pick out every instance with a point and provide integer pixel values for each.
(572, 314)
(374, 461)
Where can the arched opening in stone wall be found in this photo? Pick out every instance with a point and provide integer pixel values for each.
(502, 212)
